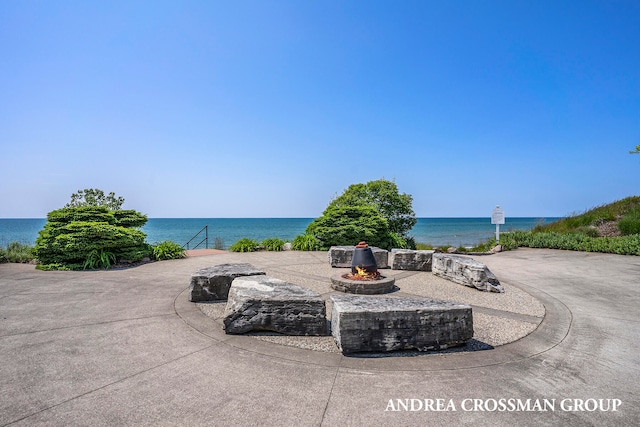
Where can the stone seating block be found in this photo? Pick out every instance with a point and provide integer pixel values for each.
(341, 256)
(407, 259)
(213, 283)
(381, 324)
(263, 303)
(465, 271)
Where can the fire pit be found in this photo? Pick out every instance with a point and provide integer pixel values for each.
(364, 277)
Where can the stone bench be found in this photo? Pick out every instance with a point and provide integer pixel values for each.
(341, 256)
(407, 259)
(381, 324)
(465, 271)
(213, 283)
(263, 303)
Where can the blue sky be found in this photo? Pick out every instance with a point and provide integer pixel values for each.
(271, 108)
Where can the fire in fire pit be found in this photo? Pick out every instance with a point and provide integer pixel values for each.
(364, 277)
(362, 274)
(363, 264)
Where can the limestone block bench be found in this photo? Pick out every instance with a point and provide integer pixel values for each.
(213, 283)
(465, 271)
(341, 256)
(407, 259)
(263, 303)
(381, 324)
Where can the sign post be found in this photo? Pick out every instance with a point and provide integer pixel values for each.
(497, 218)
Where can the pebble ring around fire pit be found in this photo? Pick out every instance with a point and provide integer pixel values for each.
(364, 277)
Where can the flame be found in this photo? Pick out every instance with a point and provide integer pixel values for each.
(361, 272)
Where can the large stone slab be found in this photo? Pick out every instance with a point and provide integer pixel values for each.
(407, 259)
(341, 256)
(380, 324)
(465, 271)
(263, 303)
(213, 283)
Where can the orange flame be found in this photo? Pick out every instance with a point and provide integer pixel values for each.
(361, 272)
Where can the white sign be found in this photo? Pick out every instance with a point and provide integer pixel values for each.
(497, 216)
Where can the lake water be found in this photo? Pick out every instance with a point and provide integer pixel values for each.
(435, 231)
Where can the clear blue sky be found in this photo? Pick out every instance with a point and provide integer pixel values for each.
(271, 108)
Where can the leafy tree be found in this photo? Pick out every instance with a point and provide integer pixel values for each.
(93, 232)
(347, 225)
(636, 151)
(95, 197)
(384, 197)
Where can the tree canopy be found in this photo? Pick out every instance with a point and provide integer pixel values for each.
(374, 212)
(91, 231)
(95, 197)
(384, 197)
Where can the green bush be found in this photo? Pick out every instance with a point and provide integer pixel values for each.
(80, 237)
(630, 224)
(348, 225)
(244, 245)
(16, 252)
(384, 196)
(625, 245)
(397, 241)
(168, 250)
(306, 242)
(273, 244)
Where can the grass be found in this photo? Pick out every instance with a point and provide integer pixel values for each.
(16, 252)
(578, 231)
(579, 223)
(581, 232)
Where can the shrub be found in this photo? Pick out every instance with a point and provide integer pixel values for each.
(630, 224)
(306, 242)
(168, 250)
(383, 195)
(625, 245)
(79, 237)
(397, 241)
(16, 252)
(273, 244)
(244, 245)
(348, 225)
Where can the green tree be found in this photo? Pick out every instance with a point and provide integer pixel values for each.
(636, 151)
(95, 197)
(384, 197)
(348, 225)
(90, 232)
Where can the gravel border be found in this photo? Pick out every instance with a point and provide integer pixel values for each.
(498, 318)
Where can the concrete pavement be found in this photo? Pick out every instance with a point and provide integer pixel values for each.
(125, 347)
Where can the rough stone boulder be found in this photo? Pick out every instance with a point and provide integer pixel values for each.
(263, 303)
(379, 324)
(213, 283)
(341, 256)
(407, 259)
(465, 271)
